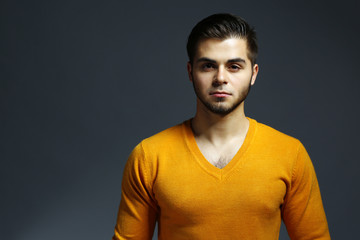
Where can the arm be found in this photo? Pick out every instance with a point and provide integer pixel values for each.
(138, 209)
(303, 211)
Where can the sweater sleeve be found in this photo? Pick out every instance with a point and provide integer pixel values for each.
(302, 211)
(138, 209)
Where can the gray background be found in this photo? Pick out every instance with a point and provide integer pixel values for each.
(82, 82)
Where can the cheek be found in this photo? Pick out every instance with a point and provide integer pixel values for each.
(199, 86)
(201, 81)
(243, 79)
(242, 86)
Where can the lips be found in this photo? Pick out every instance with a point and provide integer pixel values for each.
(220, 94)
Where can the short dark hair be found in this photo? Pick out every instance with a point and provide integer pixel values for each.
(223, 26)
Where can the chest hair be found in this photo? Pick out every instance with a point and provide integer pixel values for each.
(221, 162)
(220, 157)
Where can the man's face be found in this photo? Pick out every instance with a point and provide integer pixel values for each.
(222, 74)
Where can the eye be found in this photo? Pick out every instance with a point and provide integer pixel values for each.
(234, 67)
(208, 67)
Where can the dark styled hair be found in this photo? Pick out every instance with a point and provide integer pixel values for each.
(223, 26)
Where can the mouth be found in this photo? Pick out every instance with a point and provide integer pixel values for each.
(220, 94)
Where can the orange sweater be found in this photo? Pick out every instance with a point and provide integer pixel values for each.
(168, 180)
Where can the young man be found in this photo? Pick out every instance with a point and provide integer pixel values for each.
(220, 175)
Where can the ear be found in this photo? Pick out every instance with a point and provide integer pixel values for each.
(254, 74)
(189, 70)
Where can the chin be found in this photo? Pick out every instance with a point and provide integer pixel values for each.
(222, 109)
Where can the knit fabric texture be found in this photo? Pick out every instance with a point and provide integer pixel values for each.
(271, 178)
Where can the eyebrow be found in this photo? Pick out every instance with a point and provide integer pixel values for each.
(234, 60)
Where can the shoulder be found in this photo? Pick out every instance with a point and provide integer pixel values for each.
(268, 133)
(164, 139)
(157, 148)
(269, 138)
(169, 134)
(285, 150)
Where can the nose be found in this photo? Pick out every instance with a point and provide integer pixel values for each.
(220, 77)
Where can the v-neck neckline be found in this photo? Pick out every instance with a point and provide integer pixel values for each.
(236, 162)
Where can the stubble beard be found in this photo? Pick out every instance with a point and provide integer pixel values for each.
(219, 109)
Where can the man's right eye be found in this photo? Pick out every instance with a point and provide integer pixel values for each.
(207, 66)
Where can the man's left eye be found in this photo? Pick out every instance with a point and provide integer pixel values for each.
(234, 67)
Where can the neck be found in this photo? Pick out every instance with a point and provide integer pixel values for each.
(219, 128)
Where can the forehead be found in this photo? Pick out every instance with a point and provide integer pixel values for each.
(222, 49)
